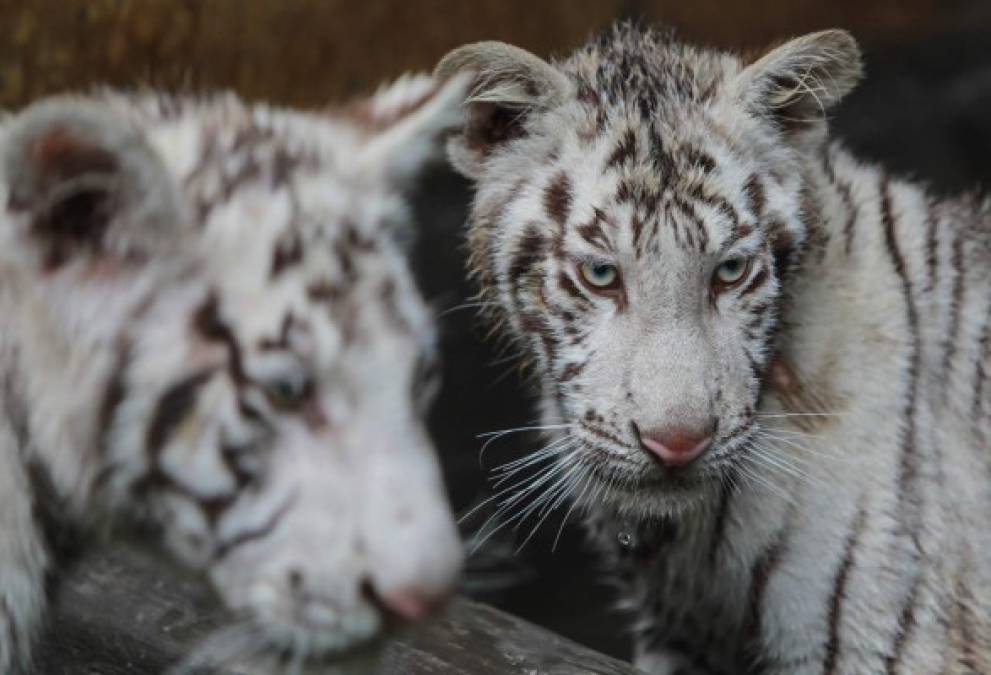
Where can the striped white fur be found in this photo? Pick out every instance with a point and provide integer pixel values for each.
(837, 521)
(208, 328)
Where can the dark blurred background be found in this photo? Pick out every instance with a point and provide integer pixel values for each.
(924, 110)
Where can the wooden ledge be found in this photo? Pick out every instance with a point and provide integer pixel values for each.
(122, 612)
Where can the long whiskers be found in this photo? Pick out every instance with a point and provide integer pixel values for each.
(755, 478)
(809, 414)
(552, 484)
(464, 306)
(798, 442)
(776, 461)
(492, 436)
(574, 503)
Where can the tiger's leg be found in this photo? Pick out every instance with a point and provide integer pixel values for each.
(23, 560)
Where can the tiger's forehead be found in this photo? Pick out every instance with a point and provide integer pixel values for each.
(649, 74)
(289, 236)
(642, 187)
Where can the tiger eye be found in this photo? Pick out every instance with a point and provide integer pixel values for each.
(288, 393)
(599, 276)
(731, 272)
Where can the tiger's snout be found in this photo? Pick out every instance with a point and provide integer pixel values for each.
(360, 546)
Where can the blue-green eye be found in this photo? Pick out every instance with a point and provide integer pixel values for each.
(600, 276)
(288, 393)
(732, 271)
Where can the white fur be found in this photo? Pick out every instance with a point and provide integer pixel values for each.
(800, 543)
(291, 511)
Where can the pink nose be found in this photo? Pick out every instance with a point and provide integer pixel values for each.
(412, 604)
(675, 447)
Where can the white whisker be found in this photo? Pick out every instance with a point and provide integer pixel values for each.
(464, 306)
(551, 506)
(553, 448)
(760, 480)
(506, 505)
(815, 414)
(519, 483)
(779, 462)
(587, 477)
(493, 436)
(832, 456)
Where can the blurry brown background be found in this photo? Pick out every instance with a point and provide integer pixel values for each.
(306, 52)
(925, 110)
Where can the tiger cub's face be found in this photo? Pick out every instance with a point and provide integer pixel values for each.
(638, 208)
(210, 303)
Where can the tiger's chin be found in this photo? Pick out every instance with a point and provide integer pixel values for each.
(645, 491)
(347, 645)
(329, 637)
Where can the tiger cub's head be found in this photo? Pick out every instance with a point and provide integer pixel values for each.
(207, 309)
(638, 206)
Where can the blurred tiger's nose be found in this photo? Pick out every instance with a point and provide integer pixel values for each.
(411, 604)
(675, 446)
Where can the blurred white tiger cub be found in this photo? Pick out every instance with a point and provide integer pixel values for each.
(208, 325)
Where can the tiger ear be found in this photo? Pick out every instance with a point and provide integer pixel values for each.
(406, 123)
(81, 180)
(508, 85)
(793, 85)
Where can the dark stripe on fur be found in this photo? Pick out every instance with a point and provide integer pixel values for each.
(557, 198)
(718, 203)
(261, 532)
(932, 248)
(757, 281)
(529, 252)
(288, 253)
(956, 304)
(172, 408)
(699, 226)
(569, 286)
(756, 199)
(719, 522)
(908, 509)
(114, 393)
(907, 469)
(850, 226)
(209, 324)
(626, 150)
(62, 541)
(696, 158)
(16, 411)
(838, 595)
(906, 625)
(760, 576)
(980, 376)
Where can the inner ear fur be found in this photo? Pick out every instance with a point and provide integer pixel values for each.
(509, 84)
(796, 83)
(87, 181)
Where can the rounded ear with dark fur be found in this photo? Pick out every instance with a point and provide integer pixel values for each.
(83, 181)
(794, 84)
(509, 84)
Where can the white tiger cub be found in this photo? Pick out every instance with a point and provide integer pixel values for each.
(208, 328)
(769, 361)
